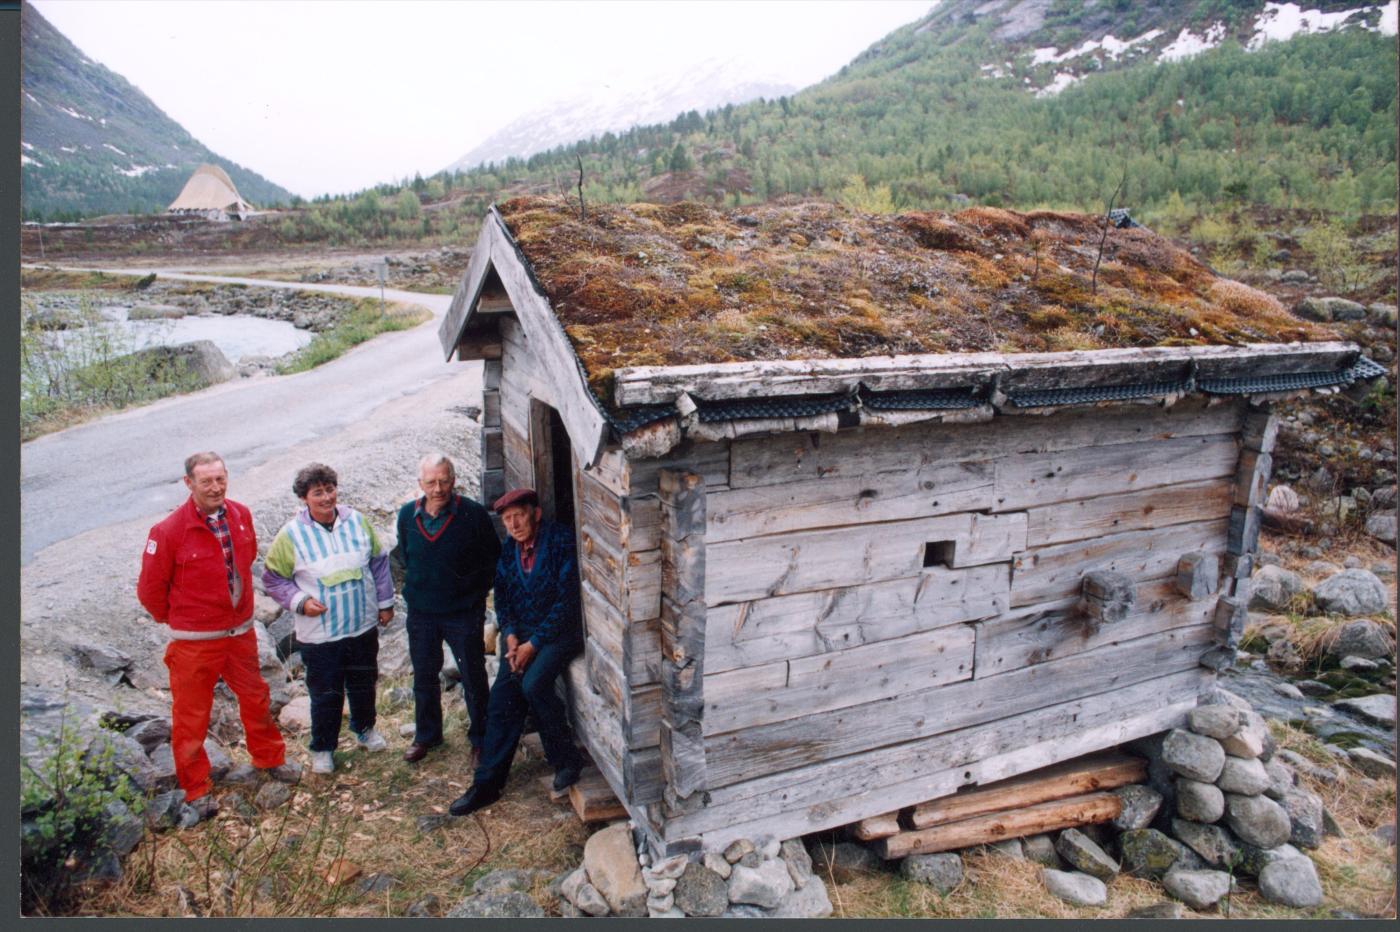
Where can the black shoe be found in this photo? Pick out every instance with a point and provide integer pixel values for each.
(566, 777)
(476, 797)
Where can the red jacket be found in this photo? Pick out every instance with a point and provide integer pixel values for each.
(183, 580)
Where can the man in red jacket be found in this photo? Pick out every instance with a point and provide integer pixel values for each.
(196, 578)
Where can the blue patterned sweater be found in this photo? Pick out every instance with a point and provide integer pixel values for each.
(540, 606)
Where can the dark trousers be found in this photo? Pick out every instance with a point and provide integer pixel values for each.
(335, 671)
(511, 695)
(462, 631)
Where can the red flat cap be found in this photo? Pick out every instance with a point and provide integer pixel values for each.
(515, 497)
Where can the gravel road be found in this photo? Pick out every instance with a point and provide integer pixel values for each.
(89, 494)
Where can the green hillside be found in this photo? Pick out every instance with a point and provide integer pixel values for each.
(94, 144)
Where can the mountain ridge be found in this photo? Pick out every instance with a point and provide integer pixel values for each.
(94, 143)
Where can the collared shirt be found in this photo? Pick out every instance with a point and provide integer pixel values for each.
(431, 524)
(218, 524)
(527, 553)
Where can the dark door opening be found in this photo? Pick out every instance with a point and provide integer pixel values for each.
(562, 469)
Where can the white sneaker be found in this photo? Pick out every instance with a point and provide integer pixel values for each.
(322, 762)
(371, 740)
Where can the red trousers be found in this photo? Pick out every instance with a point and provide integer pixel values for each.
(195, 667)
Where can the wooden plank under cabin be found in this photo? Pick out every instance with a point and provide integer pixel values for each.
(747, 634)
(593, 800)
(804, 686)
(743, 570)
(1055, 572)
(1105, 770)
(1051, 630)
(935, 489)
(806, 739)
(1098, 515)
(880, 826)
(1089, 472)
(999, 826)
(861, 453)
(833, 791)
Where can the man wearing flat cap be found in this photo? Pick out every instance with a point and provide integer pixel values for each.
(537, 611)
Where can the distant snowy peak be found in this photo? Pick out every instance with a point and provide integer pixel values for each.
(1277, 22)
(605, 108)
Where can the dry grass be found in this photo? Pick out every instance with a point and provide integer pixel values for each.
(365, 813)
(686, 283)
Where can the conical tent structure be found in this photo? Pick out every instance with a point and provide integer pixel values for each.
(210, 191)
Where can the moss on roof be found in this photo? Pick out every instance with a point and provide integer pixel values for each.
(674, 284)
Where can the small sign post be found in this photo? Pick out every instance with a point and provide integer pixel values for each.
(383, 274)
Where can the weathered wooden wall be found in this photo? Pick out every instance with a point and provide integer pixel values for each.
(886, 614)
(844, 677)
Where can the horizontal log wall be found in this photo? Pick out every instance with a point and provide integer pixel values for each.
(886, 605)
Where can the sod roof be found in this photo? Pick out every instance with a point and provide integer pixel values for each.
(676, 284)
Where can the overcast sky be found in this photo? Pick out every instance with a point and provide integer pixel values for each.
(335, 95)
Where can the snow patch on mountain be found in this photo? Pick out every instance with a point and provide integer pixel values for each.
(115, 149)
(1062, 80)
(1187, 43)
(1110, 45)
(136, 171)
(26, 160)
(1282, 21)
(75, 114)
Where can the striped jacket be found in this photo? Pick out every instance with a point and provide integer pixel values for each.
(345, 569)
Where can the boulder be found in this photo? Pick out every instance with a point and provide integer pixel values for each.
(1281, 779)
(271, 795)
(763, 886)
(589, 901)
(1193, 756)
(1146, 852)
(811, 901)
(1257, 820)
(122, 830)
(1214, 721)
(1041, 848)
(1352, 592)
(1304, 809)
(1246, 775)
(102, 658)
(1250, 741)
(163, 809)
(155, 312)
(699, 891)
(719, 865)
(1199, 802)
(1140, 807)
(798, 861)
(1383, 527)
(1371, 763)
(1291, 882)
(150, 733)
(200, 362)
(497, 906)
(1253, 860)
(1273, 588)
(1216, 846)
(1378, 709)
(1362, 638)
(1360, 665)
(610, 858)
(943, 871)
(1167, 909)
(295, 716)
(1326, 775)
(1199, 890)
(1074, 887)
(1381, 315)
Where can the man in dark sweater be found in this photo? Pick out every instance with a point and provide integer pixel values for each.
(448, 548)
(537, 610)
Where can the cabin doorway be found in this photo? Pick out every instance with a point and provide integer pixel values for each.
(553, 463)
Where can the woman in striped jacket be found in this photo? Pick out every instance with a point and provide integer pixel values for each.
(327, 567)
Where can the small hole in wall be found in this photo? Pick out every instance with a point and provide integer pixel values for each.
(939, 553)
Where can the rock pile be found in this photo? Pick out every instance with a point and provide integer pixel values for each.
(762, 878)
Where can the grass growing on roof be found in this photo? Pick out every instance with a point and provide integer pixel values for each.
(685, 283)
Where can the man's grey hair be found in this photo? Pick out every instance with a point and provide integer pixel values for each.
(199, 459)
(436, 459)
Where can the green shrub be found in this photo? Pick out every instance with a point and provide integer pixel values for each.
(62, 807)
(365, 320)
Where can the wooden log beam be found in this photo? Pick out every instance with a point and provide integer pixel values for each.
(880, 826)
(636, 385)
(683, 758)
(1102, 771)
(1086, 809)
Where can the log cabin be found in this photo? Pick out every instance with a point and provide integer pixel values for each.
(873, 508)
